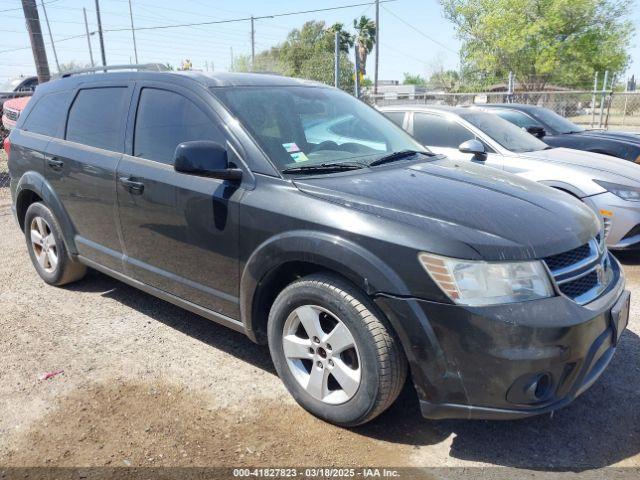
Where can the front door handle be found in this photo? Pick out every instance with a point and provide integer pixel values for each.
(134, 187)
(55, 163)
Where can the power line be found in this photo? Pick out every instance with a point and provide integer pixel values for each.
(420, 31)
(246, 19)
(58, 41)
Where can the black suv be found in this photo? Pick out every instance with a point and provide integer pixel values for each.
(296, 214)
(558, 131)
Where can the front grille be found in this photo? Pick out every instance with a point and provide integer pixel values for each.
(580, 286)
(11, 114)
(583, 273)
(566, 259)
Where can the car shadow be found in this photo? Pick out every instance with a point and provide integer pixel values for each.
(600, 428)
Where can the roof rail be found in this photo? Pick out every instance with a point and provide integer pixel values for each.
(155, 67)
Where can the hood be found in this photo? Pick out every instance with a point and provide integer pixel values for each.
(626, 137)
(497, 215)
(17, 103)
(599, 166)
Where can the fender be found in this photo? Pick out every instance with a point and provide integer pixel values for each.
(36, 183)
(567, 187)
(360, 266)
(365, 270)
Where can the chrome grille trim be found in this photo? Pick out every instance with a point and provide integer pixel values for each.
(568, 280)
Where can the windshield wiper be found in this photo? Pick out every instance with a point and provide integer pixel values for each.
(324, 167)
(395, 156)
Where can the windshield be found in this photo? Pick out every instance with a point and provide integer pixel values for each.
(303, 126)
(10, 85)
(555, 121)
(508, 135)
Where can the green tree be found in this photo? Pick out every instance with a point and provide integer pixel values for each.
(447, 80)
(365, 39)
(308, 52)
(410, 79)
(542, 41)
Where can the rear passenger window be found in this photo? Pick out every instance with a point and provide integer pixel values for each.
(164, 120)
(435, 131)
(97, 116)
(48, 114)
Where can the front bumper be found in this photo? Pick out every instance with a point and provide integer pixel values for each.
(625, 216)
(505, 361)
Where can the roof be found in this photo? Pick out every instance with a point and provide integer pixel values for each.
(221, 79)
(514, 106)
(426, 108)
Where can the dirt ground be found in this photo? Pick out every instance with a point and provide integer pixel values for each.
(148, 384)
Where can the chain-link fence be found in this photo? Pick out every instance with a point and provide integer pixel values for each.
(619, 111)
(4, 176)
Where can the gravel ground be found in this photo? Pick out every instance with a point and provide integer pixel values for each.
(148, 384)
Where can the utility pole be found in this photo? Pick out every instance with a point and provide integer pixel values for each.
(357, 69)
(53, 45)
(336, 68)
(133, 33)
(604, 92)
(593, 100)
(37, 43)
(104, 58)
(375, 69)
(232, 66)
(253, 45)
(86, 28)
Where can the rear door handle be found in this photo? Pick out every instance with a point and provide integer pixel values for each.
(55, 163)
(131, 185)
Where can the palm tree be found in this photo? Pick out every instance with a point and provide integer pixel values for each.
(365, 39)
(345, 39)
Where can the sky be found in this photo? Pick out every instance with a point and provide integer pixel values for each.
(414, 35)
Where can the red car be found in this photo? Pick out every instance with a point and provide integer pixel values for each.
(11, 111)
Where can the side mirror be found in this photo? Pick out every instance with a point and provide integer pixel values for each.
(536, 131)
(476, 148)
(206, 159)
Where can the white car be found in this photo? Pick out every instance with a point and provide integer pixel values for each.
(609, 185)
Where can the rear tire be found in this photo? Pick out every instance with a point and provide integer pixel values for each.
(47, 249)
(351, 381)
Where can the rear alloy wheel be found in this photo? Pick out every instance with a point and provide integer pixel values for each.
(334, 351)
(43, 244)
(47, 249)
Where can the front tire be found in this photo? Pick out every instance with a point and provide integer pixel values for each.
(47, 249)
(335, 353)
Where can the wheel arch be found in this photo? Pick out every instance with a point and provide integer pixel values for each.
(285, 257)
(33, 187)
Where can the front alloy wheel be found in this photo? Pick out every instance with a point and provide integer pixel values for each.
(321, 354)
(334, 351)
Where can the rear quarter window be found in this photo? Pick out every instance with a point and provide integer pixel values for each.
(48, 114)
(97, 117)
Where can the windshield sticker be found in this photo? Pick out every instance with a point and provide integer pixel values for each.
(291, 147)
(299, 157)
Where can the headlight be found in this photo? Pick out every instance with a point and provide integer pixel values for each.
(470, 282)
(625, 192)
